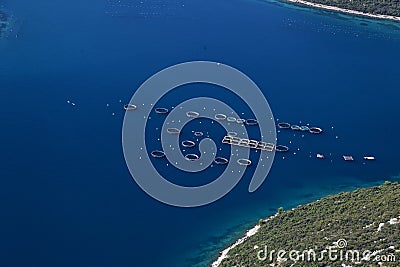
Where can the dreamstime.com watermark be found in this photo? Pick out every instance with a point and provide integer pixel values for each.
(336, 253)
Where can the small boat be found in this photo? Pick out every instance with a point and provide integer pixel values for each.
(369, 158)
(348, 158)
(320, 156)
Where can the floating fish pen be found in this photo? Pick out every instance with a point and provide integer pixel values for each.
(188, 143)
(295, 127)
(232, 134)
(348, 158)
(161, 110)
(315, 130)
(192, 114)
(240, 121)
(304, 128)
(130, 107)
(284, 125)
(221, 161)
(220, 117)
(191, 157)
(251, 122)
(231, 119)
(173, 131)
(281, 148)
(198, 134)
(157, 154)
(244, 162)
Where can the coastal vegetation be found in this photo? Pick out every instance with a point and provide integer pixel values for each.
(377, 7)
(362, 221)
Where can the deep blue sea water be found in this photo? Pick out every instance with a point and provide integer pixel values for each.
(66, 196)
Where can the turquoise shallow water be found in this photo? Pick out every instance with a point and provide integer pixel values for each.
(67, 198)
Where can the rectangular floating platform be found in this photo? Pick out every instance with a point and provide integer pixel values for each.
(348, 158)
(243, 142)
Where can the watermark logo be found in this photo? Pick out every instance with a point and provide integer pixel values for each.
(336, 253)
(143, 102)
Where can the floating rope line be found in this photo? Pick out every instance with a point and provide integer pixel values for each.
(220, 117)
(192, 157)
(161, 110)
(284, 125)
(192, 114)
(130, 107)
(243, 142)
(231, 119)
(315, 130)
(251, 122)
(173, 131)
(157, 154)
(188, 143)
(220, 161)
(244, 162)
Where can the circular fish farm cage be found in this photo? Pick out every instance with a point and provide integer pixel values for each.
(315, 130)
(232, 134)
(161, 110)
(231, 119)
(198, 134)
(241, 121)
(173, 131)
(221, 161)
(284, 125)
(130, 107)
(295, 127)
(220, 117)
(192, 114)
(251, 122)
(244, 162)
(188, 143)
(191, 157)
(304, 128)
(281, 148)
(157, 154)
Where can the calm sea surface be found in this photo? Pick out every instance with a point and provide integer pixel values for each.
(66, 196)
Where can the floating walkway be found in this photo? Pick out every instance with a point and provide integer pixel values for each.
(243, 142)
